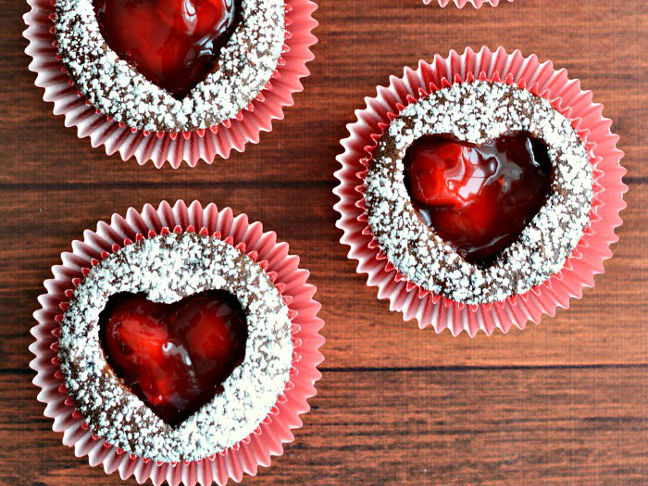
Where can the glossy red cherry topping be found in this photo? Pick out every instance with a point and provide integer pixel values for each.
(478, 198)
(174, 356)
(173, 43)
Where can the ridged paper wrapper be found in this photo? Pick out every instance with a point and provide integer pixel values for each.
(172, 148)
(463, 3)
(586, 260)
(276, 429)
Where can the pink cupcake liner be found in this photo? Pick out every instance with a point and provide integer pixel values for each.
(173, 148)
(586, 260)
(463, 3)
(273, 256)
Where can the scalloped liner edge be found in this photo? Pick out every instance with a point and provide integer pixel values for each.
(297, 294)
(174, 148)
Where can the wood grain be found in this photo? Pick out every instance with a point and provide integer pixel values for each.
(562, 403)
(538, 426)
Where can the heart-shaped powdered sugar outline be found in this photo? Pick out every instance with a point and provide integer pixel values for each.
(478, 112)
(167, 268)
(115, 88)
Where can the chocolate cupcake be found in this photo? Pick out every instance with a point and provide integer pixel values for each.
(162, 69)
(175, 347)
(472, 191)
(179, 354)
(479, 191)
(170, 81)
(463, 3)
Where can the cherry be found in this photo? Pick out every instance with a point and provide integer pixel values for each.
(174, 357)
(173, 43)
(478, 198)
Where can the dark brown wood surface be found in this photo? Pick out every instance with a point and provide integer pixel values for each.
(564, 403)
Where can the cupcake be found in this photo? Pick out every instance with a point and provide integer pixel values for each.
(170, 66)
(474, 201)
(180, 349)
(478, 192)
(153, 70)
(463, 3)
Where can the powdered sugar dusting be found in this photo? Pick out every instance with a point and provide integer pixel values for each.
(116, 89)
(479, 112)
(167, 268)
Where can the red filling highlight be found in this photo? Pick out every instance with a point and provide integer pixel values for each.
(173, 43)
(174, 357)
(478, 198)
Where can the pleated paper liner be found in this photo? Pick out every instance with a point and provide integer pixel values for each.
(172, 148)
(463, 3)
(586, 260)
(253, 451)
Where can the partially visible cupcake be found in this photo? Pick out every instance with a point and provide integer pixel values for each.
(156, 69)
(180, 348)
(170, 67)
(475, 203)
(463, 3)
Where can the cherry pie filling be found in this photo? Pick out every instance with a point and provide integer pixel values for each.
(174, 357)
(173, 43)
(478, 198)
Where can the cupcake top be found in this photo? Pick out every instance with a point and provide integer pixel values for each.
(182, 271)
(496, 171)
(221, 56)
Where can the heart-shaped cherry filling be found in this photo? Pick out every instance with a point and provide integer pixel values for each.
(173, 43)
(174, 357)
(478, 198)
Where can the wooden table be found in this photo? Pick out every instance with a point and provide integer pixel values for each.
(563, 403)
